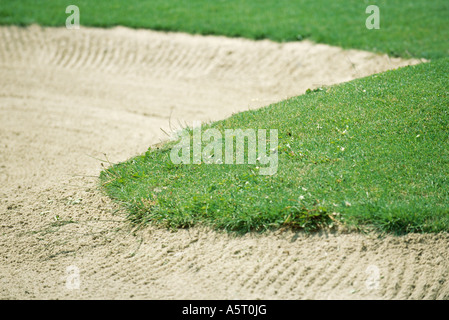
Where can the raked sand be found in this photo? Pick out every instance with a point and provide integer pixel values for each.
(71, 97)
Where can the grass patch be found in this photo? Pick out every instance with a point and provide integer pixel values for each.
(373, 152)
(414, 28)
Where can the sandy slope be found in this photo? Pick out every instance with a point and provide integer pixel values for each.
(69, 96)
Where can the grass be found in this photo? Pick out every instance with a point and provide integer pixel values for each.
(407, 28)
(370, 153)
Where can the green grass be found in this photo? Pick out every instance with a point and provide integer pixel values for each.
(370, 153)
(387, 171)
(408, 28)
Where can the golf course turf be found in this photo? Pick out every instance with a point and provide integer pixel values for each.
(415, 28)
(370, 153)
(93, 208)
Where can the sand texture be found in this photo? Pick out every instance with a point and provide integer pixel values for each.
(71, 100)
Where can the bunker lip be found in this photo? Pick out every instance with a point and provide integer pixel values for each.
(71, 100)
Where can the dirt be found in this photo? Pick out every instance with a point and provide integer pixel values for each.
(72, 101)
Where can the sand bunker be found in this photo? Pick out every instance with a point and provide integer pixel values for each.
(67, 97)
